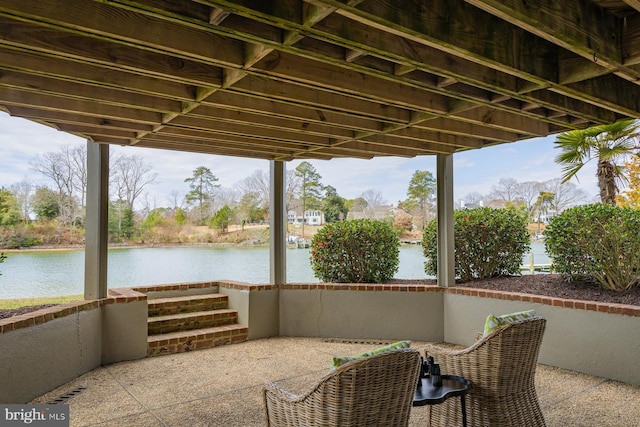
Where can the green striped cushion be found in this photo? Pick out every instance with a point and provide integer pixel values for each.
(338, 361)
(494, 322)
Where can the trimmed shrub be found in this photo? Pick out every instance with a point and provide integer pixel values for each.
(488, 243)
(598, 242)
(355, 251)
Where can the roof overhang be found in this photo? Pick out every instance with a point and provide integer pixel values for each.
(319, 79)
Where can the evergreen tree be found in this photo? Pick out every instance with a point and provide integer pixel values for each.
(202, 187)
(45, 203)
(310, 190)
(421, 194)
(222, 218)
(333, 206)
(9, 213)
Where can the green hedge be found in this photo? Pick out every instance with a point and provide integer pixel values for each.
(597, 242)
(355, 251)
(488, 243)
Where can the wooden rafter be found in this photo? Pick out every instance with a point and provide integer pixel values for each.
(287, 79)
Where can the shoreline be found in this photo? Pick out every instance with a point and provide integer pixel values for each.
(50, 248)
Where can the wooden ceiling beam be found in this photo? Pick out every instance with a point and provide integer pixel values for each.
(631, 39)
(107, 96)
(84, 107)
(379, 43)
(105, 53)
(77, 119)
(318, 74)
(310, 97)
(106, 22)
(282, 148)
(243, 119)
(523, 54)
(262, 105)
(578, 26)
(79, 72)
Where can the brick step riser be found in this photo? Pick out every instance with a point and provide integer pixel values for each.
(176, 325)
(200, 342)
(184, 307)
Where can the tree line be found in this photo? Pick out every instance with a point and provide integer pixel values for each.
(61, 197)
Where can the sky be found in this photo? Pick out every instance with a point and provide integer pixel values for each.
(21, 141)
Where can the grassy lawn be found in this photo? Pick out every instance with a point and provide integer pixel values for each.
(22, 302)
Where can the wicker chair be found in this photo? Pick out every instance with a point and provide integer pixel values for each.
(372, 391)
(501, 368)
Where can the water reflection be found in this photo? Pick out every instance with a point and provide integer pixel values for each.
(50, 273)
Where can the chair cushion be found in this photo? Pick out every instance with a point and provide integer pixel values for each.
(339, 361)
(494, 322)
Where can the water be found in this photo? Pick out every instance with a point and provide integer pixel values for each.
(53, 273)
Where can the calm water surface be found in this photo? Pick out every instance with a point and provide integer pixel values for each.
(51, 273)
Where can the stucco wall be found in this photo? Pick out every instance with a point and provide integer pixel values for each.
(349, 311)
(124, 331)
(44, 349)
(37, 359)
(588, 341)
(257, 307)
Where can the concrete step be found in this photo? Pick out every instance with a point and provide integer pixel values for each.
(186, 304)
(191, 320)
(197, 339)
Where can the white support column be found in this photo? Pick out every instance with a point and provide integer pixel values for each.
(97, 221)
(446, 252)
(278, 224)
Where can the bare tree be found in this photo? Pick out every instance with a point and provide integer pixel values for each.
(22, 193)
(529, 192)
(176, 199)
(292, 188)
(374, 199)
(506, 190)
(149, 203)
(225, 197)
(257, 184)
(61, 169)
(77, 157)
(566, 194)
(129, 177)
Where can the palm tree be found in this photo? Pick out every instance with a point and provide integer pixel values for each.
(609, 144)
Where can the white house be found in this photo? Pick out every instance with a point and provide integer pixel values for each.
(311, 217)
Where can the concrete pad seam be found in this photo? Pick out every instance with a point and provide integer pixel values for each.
(577, 393)
(147, 409)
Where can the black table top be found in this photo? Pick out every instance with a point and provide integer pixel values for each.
(428, 394)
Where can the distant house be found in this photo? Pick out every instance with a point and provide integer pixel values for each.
(311, 217)
(546, 216)
(471, 205)
(379, 212)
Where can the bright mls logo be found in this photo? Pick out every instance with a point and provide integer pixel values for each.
(34, 415)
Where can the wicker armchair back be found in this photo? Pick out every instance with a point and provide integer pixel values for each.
(501, 368)
(372, 391)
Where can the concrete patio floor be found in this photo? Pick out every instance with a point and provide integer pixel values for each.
(223, 387)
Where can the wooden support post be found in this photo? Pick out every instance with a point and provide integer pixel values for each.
(278, 224)
(446, 248)
(97, 221)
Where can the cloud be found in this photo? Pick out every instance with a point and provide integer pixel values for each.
(22, 141)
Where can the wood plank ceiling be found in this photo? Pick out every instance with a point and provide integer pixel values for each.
(319, 79)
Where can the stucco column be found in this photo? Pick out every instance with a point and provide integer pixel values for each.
(97, 221)
(446, 253)
(278, 224)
